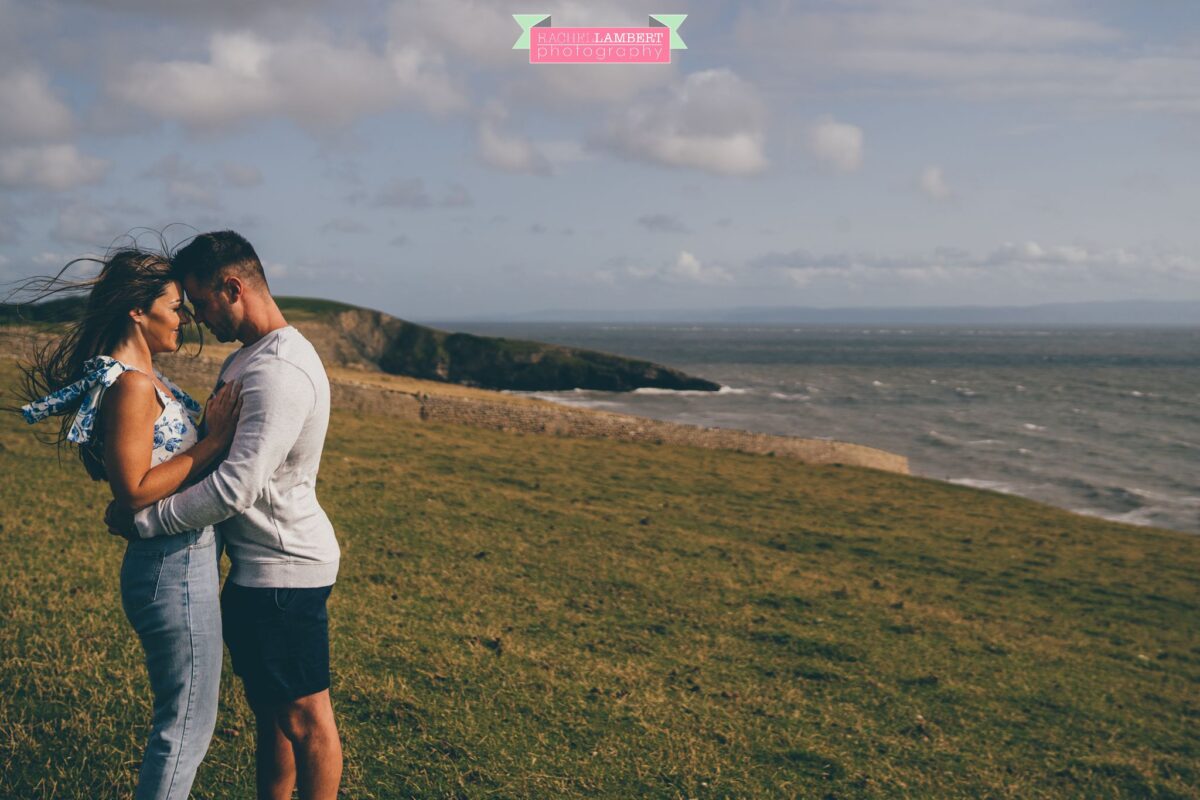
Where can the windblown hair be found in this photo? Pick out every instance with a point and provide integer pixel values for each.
(130, 278)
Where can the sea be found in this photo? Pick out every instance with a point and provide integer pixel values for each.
(1103, 422)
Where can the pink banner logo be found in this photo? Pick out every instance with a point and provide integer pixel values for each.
(649, 45)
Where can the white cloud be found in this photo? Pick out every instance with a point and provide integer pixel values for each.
(88, 225)
(11, 228)
(436, 30)
(933, 183)
(662, 223)
(837, 145)
(688, 268)
(55, 167)
(242, 176)
(411, 193)
(404, 193)
(685, 269)
(184, 184)
(714, 122)
(972, 49)
(318, 84)
(480, 31)
(506, 151)
(30, 109)
(275, 269)
(1027, 260)
(209, 11)
(562, 151)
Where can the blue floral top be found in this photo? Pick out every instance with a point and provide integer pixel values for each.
(175, 430)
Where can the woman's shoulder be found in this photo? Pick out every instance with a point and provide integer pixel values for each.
(131, 388)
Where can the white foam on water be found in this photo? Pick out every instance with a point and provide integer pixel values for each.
(964, 391)
(1139, 516)
(649, 390)
(570, 400)
(793, 398)
(978, 483)
(1029, 426)
(944, 438)
(985, 441)
(1150, 495)
(878, 383)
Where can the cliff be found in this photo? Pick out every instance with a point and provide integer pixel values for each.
(357, 336)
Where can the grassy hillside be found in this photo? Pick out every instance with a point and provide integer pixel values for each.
(538, 617)
(349, 335)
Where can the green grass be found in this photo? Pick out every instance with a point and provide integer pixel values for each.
(523, 616)
(301, 308)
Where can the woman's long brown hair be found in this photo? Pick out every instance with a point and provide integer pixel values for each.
(130, 279)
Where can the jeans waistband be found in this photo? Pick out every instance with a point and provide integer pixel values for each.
(171, 544)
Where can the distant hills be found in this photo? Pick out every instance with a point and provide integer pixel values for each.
(347, 335)
(1120, 313)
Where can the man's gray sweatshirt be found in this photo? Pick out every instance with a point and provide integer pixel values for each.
(263, 495)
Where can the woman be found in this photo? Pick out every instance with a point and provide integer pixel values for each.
(137, 430)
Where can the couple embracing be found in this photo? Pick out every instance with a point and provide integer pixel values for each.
(240, 474)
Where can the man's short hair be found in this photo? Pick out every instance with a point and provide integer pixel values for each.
(210, 255)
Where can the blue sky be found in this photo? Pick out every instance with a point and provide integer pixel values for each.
(402, 156)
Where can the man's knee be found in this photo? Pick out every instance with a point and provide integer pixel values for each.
(306, 718)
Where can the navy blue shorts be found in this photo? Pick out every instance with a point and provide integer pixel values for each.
(278, 640)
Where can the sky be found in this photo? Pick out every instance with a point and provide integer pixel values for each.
(402, 156)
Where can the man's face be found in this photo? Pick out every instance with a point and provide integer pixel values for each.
(212, 307)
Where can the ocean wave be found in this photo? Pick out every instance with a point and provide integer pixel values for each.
(794, 398)
(1139, 516)
(1116, 499)
(941, 439)
(1029, 426)
(984, 441)
(572, 401)
(650, 390)
(979, 483)
(963, 391)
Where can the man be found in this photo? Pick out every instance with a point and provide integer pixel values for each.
(283, 552)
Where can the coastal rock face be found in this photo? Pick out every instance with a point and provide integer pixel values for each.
(371, 339)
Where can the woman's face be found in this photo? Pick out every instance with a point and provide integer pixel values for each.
(161, 323)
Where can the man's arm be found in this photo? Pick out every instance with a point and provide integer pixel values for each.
(277, 397)
(127, 417)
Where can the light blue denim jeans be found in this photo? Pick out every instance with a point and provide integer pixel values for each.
(170, 594)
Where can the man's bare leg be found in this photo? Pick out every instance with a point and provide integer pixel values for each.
(309, 725)
(274, 759)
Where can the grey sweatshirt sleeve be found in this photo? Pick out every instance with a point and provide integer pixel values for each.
(277, 397)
